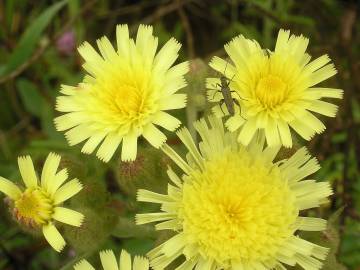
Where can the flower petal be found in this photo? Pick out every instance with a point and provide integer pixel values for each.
(27, 171)
(282, 40)
(313, 122)
(247, 132)
(129, 147)
(106, 49)
(108, 147)
(93, 142)
(83, 265)
(222, 66)
(125, 260)
(108, 260)
(239, 49)
(320, 92)
(233, 123)
(122, 39)
(57, 181)
(302, 129)
(49, 170)
(9, 189)
(78, 134)
(90, 54)
(322, 74)
(323, 107)
(317, 63)
(166, 56)
(140, 263)
(154, 136)
(285, 134)
(67, 191)
(68, 216)
(146, 44)
(166, 121)
(53, 237)
(272, 133)
(175, 101)
(311, 224)
(70, 120)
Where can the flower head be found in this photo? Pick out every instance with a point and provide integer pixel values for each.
(66, 43)
(274, 90)
(109, 262)
(124, 96)
(38, 205)
(234, 207)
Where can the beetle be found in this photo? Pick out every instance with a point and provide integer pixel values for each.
(225, 90)
(227, 98)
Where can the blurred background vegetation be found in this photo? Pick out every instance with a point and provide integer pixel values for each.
(38, 41)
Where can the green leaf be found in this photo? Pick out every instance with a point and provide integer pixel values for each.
(301, 20)
(138, 246)
(30, 38)
(93, 232)
(30, 97)
(70, 264)
(47, 123)
(127, 228)
(329, 238)
(36, 104)
(339, 137)
(350, 245)
(355, 110)
(331, 235)
(43, 146)
(9, 12)
(148, 171)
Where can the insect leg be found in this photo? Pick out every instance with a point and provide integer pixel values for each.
(266, 52)
(238, 95)
(214, 94)
(238, 104)
(214, 85)
(216, 91)
(222, 103)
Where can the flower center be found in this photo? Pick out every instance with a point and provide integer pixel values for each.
(33, 208)
(271, 91)
(237, 209)
(129, 101)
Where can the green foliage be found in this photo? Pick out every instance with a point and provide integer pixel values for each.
(126, 228)
(27, 103)
(30, 97)
(94, 231)
(30, 38)
(329, 238)
(148, 171)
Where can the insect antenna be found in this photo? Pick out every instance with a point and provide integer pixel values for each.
(225, 68)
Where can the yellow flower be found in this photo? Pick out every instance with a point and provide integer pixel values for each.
(39, 204)
(124, 96)
(234, 207)
(275, 90)
(108, 261)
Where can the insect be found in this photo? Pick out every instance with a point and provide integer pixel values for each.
(267, 53)
(226, 93)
